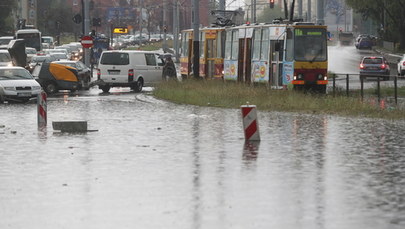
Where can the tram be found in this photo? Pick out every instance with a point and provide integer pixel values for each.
(211, 51)
(275, 54)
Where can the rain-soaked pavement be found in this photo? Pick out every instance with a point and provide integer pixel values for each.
(154, 164)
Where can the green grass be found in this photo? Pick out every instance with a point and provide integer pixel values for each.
(217, 93)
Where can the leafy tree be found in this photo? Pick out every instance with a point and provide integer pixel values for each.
(6, 23)
(56, 17)
(389, 13)
(268, 14)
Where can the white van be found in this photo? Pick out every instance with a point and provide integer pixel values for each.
(129, 68)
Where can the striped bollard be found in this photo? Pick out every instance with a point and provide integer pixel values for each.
(250, 124)
(41, 105)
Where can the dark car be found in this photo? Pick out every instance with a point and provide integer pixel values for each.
(374, 66)
(364, 43)
(82, 69)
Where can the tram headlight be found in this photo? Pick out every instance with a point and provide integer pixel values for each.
(320, 77)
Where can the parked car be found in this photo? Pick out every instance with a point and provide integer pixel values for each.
(374, 66)
(17, 84)
(47, 42)
(31, 52)
(59, 56)
(401, 66)
(364, 43)
(5, 58)
(83, 71)
(4, 40)
(129, 68)
(39, 59)
(54, 77)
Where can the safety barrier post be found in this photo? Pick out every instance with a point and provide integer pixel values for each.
(378, 89)
(334, 85)
(250, 124)
(362, 87)
(42, 110)
(347, 84)
(396, 89)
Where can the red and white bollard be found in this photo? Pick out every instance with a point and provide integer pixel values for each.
(250, 124)
(42, 109)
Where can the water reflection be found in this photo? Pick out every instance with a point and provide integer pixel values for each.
(196, 171)
(250, 151)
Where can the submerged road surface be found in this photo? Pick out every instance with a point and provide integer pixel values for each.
(153, 164)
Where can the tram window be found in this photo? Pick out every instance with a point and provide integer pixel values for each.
(202, 42)
(265, 45)
(310, 44)
(235, 45)
(256, 44)
(228, 46)
(211, 48)
(221, 44)
(289, 50)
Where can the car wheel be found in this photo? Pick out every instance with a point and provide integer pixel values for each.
(51, 88)
(86, 83)
(2, 99)
(105, 88)
(138, 86)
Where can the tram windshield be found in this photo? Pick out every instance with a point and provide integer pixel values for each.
(310, 44)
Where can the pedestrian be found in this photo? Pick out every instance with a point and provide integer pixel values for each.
(169, 69)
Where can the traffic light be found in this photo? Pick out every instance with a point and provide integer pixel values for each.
(271, 4)
(96, 21)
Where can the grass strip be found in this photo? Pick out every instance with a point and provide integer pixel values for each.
(216, 93)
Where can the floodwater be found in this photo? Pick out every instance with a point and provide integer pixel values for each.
(154, 164)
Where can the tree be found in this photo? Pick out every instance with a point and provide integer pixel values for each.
(268, 14)
(390, 14)
(6, 21)
(56, 17)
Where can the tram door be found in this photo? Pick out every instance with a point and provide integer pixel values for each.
(190, 57)
(211, 54)
(248, 60)
(241, 54)
(276, 61)
(245, 60)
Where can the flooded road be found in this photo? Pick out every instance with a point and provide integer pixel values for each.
(154, 164)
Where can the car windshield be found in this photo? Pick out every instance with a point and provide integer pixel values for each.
(40, 58)
(14, 74)
(372, 61)
(115, 58)
(30, 51)
(73, 65)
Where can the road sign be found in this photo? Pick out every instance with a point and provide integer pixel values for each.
(122, 30)
(87, 42)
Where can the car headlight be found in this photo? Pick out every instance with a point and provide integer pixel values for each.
(36, 88)
(9, 88)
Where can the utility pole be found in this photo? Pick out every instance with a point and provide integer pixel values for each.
(164, 44)
(320, 16)
(86, 29)
(140, 21)
(299, 8)
(196, 39)
(176, 26)
(253, 9)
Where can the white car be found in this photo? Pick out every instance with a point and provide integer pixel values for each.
(17, 84)
(129, 68)
(401, 66)
(5, 59)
